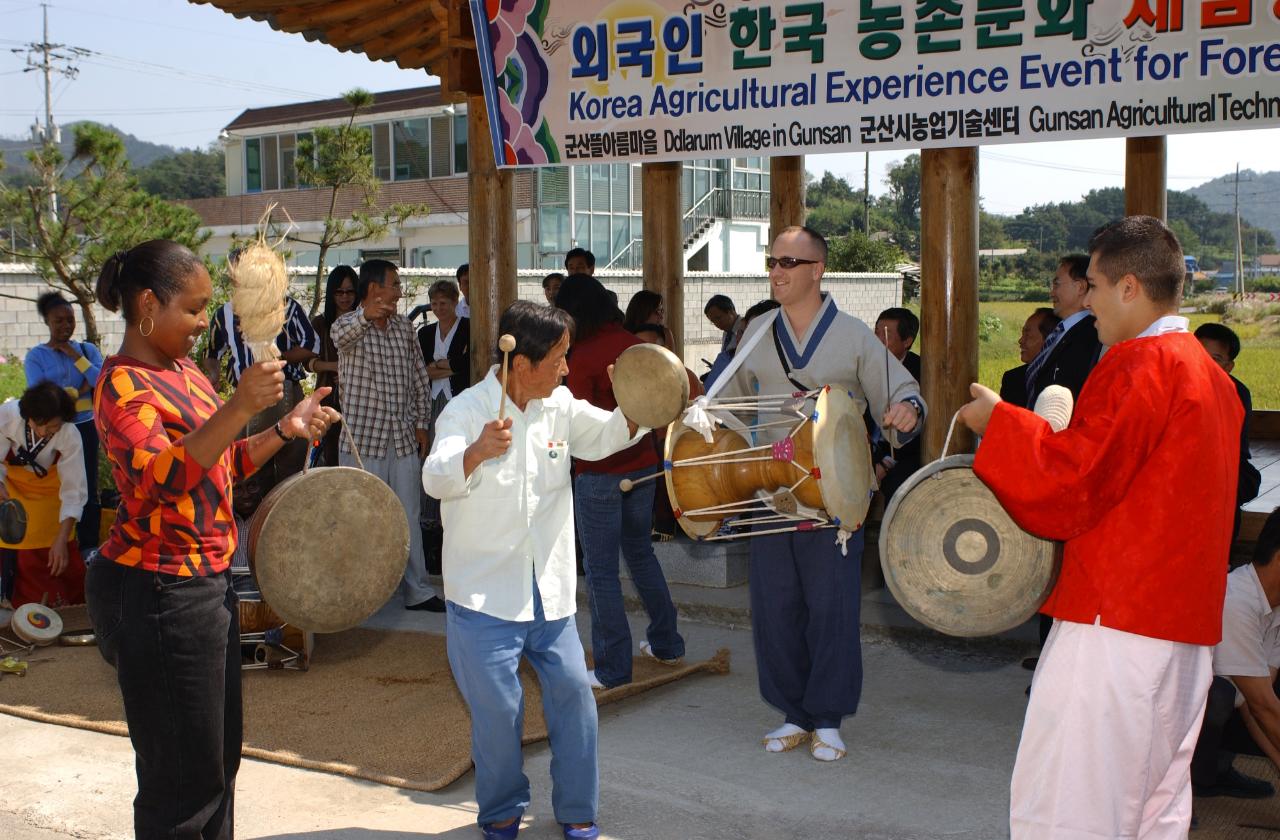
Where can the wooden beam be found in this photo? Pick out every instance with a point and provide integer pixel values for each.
(1145, 170)
(333, 13)
(786, 193)
(491, 240)
(414, 38)
(948, 290)
(463, 67)
(255, 6)
(662, 226)
(406, 14)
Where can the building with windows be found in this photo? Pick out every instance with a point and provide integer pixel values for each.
(419, 151)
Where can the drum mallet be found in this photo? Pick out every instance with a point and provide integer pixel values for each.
(626, 484)
(506, 343)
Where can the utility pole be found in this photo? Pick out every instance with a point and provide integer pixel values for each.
(866, 196)
(45, 57)
(1239, 249)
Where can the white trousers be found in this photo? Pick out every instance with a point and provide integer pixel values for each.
(1108, 736)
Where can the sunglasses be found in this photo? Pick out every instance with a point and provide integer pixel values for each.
(337, 292)
(786, 262)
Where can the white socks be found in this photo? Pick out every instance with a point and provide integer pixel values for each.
(773, 742)
(835, 748)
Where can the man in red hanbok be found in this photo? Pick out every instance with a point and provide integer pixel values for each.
(1140, 488)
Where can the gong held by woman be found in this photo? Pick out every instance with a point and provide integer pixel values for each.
(163, 572)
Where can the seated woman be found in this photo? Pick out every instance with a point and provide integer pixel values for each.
(43, 468)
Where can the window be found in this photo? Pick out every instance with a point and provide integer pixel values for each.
(288, 165)
(270, 164)
(305, 138)
(253, 165)
(441, 147)
(382, 151)
(411, 149)
(460, 143)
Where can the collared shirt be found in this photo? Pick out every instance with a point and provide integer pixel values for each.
(463, 309)
(1165, 324)
(64, 448)
(512, 519)
(78, 378)
(297, 332)
(1074, 318)
(1250, 645)
(729, 342)
(386, 393)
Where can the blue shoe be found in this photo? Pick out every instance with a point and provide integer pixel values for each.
(591, 832)
(508, 832)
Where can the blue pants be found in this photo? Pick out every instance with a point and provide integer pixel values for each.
(805, 600)
(484, 653)
(609, 519)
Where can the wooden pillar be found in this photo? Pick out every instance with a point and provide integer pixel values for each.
(948, 290)
(786, 193)
(1145, 165)
(663, 233)
(491, 239)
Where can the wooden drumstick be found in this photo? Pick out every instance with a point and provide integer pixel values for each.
(626, 484)
(506, 344)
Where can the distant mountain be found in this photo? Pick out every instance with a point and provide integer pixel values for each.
(139, 152)
(1258, 194)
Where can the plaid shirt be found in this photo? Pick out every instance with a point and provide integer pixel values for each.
(386, 393)
(297, 332)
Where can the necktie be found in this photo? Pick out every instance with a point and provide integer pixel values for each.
(1042, 357)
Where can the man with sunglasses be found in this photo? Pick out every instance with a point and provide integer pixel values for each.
(805, 588)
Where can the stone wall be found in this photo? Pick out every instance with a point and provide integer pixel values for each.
(863, 295)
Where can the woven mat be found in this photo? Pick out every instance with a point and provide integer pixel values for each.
(375, 705)
(1224, 818)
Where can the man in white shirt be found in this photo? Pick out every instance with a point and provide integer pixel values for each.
(509, 566)
(463, 276)
(1243, 715)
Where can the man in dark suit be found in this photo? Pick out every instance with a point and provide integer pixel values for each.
(1072, 349)
(897, 328)
(1013, 385)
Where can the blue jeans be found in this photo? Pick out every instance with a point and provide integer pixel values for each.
(484, 653)
(609, 519)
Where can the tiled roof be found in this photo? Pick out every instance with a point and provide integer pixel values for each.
(328, 109)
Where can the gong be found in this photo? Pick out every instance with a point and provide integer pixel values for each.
(955, 560)
(328, 547)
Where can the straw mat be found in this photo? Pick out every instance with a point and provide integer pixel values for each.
(375, 705)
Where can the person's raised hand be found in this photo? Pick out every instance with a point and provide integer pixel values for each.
(976, 413)
(494, 440)
(309, 419)
(261, 386)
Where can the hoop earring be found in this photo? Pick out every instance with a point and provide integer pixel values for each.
(146, 333)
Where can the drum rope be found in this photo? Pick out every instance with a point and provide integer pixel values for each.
(946, 444)
(346, 431)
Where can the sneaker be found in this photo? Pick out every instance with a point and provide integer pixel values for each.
(433, 604)
(646, 650)
(1235, 784)
(594, 682)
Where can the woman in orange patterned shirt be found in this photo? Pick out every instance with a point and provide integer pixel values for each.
(159, 592)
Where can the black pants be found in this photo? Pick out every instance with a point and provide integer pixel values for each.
(91, 519)
(175, 645)
(1222, 735)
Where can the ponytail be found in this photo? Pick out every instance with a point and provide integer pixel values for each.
(160, 266)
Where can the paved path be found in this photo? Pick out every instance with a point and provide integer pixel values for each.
(930, 756)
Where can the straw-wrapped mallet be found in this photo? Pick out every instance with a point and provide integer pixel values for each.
(260, 282)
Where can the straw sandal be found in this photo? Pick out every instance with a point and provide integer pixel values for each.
(788, 742)
(818, 744)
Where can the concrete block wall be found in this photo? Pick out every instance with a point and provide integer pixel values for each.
(862, 295)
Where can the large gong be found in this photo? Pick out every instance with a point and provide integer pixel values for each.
(955, 560)
(328, 547)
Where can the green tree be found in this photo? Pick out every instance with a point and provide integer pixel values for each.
(341, 159)
(193, 173)
(100, 210)
(858, 252)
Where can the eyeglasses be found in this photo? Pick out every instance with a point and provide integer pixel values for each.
(786, 262)
(337, 292)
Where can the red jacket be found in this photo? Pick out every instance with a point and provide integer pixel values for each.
(588, 379)
(1140, 487)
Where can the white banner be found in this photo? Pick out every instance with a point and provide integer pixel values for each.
(649, 80)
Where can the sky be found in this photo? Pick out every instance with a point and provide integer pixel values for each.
(171, 72)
